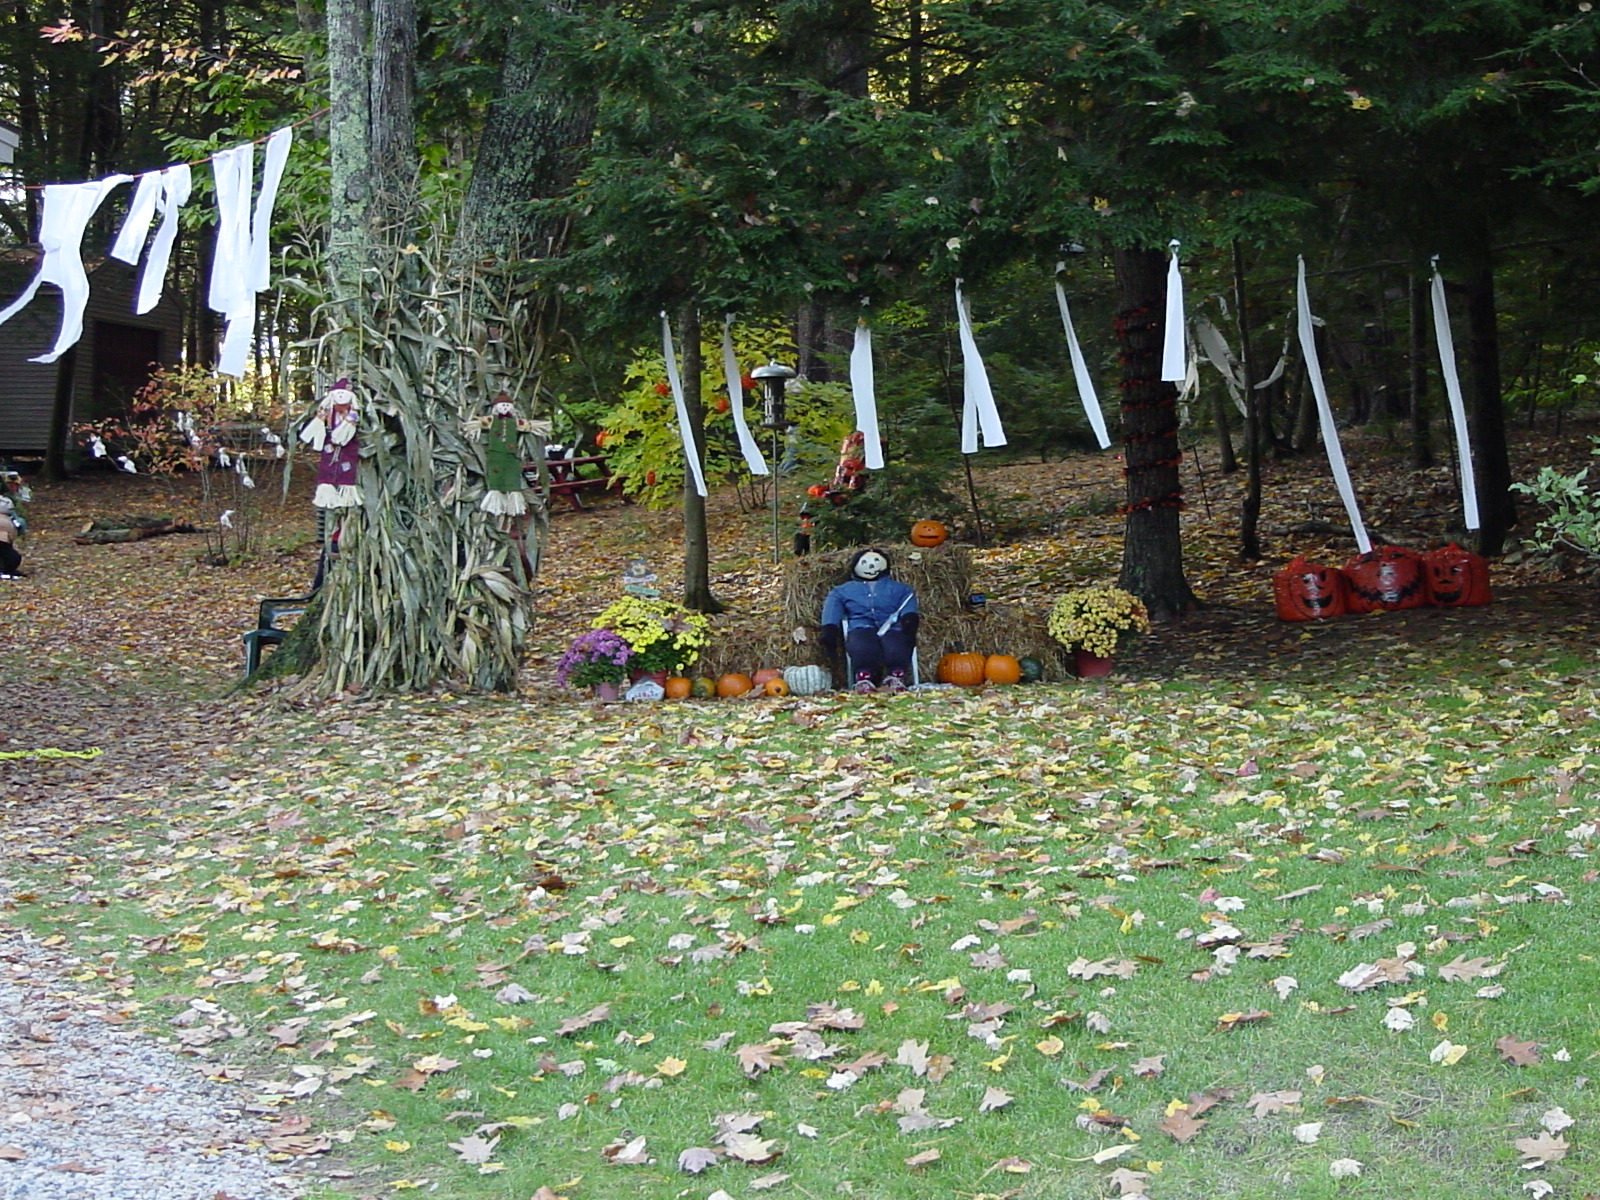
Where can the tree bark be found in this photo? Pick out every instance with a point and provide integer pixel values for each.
(1497, 510)
(1417, 374)
(1250, 510)
(349, 145)
(530, 148)
(393, 102)
(55, 454)
(696, 535)
(1152, 551)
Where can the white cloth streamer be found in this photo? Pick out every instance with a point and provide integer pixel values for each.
(753, 458)
(1218, 353)
(176, 182)
(863, 389)
(690, 453)
(66, 213)
(1452, 390)
(1080, 370)
(1330, 433)
(141, 210)
(980, 419)
(1174, 362)
(241, 265)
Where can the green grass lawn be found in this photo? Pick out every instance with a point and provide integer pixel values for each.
(944, 945)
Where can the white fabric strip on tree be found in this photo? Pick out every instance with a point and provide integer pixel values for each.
(980, 419)
(1174, 362)
(1452, 390)
(175, 185)
(65, 215)
(1218, 353)
(863, 389)
(242, 265)
(753, 457)
(1330, 433)
(691, 453)
(136, 225)
(1080, 370)
(230, 293)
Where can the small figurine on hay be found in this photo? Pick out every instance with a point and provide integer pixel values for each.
(501, 431)
(332, 434)
(882, 617)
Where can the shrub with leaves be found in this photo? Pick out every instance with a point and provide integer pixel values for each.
(885, 509)
(1572, 517)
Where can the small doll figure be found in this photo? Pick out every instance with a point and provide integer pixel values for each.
(501, 433)
(875, 619)
(332, 433)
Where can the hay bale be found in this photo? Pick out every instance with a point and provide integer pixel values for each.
(745, 648)
(995, 629)
(941, 576)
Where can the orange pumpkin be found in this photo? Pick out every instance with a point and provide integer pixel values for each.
(929, 533)
(765, 676)
(733, 685)
(678, 687)
(1305, 591)
(1387, 578)
(775, 687)
(1456, 578)
(1002, 668)
(964, 670)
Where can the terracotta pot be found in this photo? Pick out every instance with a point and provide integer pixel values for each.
(1091, 666)
(607, 691)
(659, 676)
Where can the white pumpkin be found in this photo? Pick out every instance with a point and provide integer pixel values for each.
(807, 681)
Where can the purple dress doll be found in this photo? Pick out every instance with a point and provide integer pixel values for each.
(332, 433)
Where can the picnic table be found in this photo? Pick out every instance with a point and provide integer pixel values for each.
(567, 482)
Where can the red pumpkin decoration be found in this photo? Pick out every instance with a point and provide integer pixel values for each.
(1387, 578)
(749, 383)
(723, 404)
(963, 670)
(1002, 668)
(1306, 591)
(1456, 578)
(663, 389)
(929, 533)
(765, 676)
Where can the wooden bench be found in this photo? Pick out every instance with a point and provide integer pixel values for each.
(566, 482)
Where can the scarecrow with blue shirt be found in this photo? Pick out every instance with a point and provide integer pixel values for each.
(874, 619)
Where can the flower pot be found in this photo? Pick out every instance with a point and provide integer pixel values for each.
(660, 677)
(607, 691)
(1091, 666)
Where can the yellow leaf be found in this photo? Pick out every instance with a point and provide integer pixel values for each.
(1050, 1046)
(998, 1064)
(396, 1147)
(860, 937)
(671, 1067)
(874, 988)
(1175, 1106)
(832, 918)
(1441, 1021)
(624, 940)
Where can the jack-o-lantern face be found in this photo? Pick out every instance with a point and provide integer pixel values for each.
(1306, 591)
(1386, 578)
(1456, 578)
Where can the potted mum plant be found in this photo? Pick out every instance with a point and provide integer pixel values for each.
(598, 659)
(1093, 622)
(664, 637)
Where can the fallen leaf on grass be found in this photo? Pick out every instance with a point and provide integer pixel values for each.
(1447, 1053)
(474, 1149)
(1519, 1054)
(1541, 1149)
(758, 1058)
(583, 1020)
(923, 1159)
(1149, 1068)
(1308, 1133)
(994, 1098)
(913, 1054)
(1344, 1168)
(1180, 1125)
(1230, 1021)
(764, 1182)
(1265, 1104)
(748, 1148)
(1129, 1182)
(12, 1153)
(629, 1153)
(696, 1159)
(1120, 968)
(1555, 1120)
(1462, 968)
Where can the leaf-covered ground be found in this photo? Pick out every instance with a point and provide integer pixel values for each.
(1274, 911)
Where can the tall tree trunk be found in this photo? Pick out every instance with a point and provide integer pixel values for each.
(532, 140)
(696, 535)
(1491, 456)
(349, 144)
(1152, 550)
(1227, 462)
(1250, 510)
(55, 454)
(1417, 373)
(391, 95)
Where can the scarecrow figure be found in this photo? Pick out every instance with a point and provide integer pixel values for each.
(501, 432)
(332, 433)
(875, 619)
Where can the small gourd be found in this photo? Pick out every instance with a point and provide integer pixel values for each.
(703, 688)
(807, 680)
(1031, 668)
(775, 687)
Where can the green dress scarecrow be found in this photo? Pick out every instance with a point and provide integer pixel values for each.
(501, 433)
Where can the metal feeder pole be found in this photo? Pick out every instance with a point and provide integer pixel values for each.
(772, 379)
